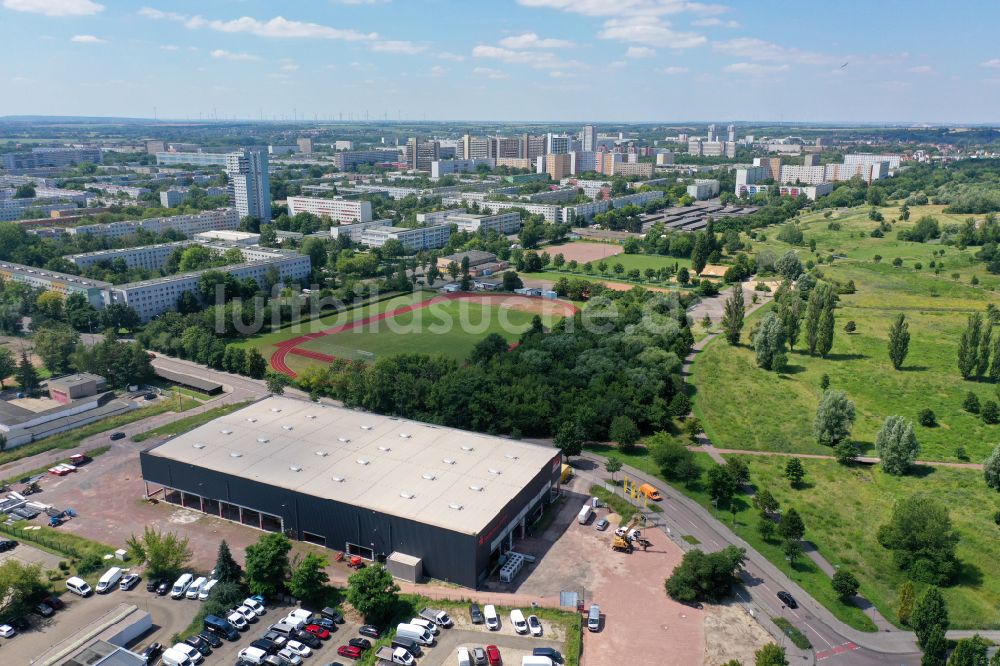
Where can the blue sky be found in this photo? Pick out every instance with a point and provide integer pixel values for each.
(597, 60)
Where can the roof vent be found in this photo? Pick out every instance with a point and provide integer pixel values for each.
(512, 456)
(405, 435)
(429, 477)
(322, 454)
(276, 409)
(384, 448)
(362, 461)
(235, 454)
(448, 461)
(198, 445)
(406, 495)
(286, 427)
(295, 468)
(477, 489)
(367, 427)
(252, 420)
(310, 416)
(495, 471)
(337, 479)
(455, 505)
(263, 440)
(466, 447)
(226, 431)
(343, 439)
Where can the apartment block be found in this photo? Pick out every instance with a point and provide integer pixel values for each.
(336, 209)
(867, 159)
(305, 145)
(50, 157)
(194, 159)
(353, 231)
(148, 257)
(350, 160)
(61, 283)
(557, 165)
(414, 240)
(444, 167)
(420, 154)
(249, 183)
(551, 213)
(504, 223)
(589, 138)
(515, 162)
(189, 225)
(702, 189)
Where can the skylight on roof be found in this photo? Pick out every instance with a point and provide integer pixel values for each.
(466, 447)
(252, 420)
(322, 454)
(477, 489)
(198, 445)
(495, 471)
(276, 409)
(429, 477)
(263, 440)
(406, 495)
(343, 439)
(405, 435)
(455, 505)
(367, 427)
(295, 468)
(337, 479)
(286, 427)
(235, 454)
(384, 448)
(362, 461)
(448, 461)
(310, 416)
(226, 431)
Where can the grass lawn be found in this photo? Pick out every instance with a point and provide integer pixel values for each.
(189, 422)
(450, 327)
(743, 407)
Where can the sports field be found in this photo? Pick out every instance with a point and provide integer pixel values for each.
(449, 324)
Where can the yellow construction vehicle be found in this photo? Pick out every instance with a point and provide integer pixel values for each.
(621, 544)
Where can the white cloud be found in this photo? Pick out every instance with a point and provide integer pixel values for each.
(537, 59)
(87, 39)
(490, 73)
(715, 22)
(640, 52)
(290, 67)
(530, 40)
(992, 63)
(626, 7)
(437, 71)
(922, 69)
(758, 49)
(278, 27)
(671, 70)
(754, 69)
(649, 30)
(453, 57)
(222, 54)
(55, 7)
(169, 47)
(398, 46)
(156, 14)
(559, 75)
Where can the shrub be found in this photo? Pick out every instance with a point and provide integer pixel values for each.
(897, 262)
(918, 265)
(850, 326)
(971, 403)
(927, 418)
(990, 412)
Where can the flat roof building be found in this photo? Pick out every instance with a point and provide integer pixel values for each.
(337, 209)
(366, 484)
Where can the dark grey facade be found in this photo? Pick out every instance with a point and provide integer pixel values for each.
(448, 555)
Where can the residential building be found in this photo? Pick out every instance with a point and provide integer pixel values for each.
(557, 165)
(249, 183)
(811, 160)
(702, 189)
(353, 231)
(61, 283)
(866, 159)
(515, 162)
(147, 257)
(172, 198)
(153, 147)
(444, 167)
(420, 154)
(664, 158)
(809, 191)
(414, 240)
(614, 166)
(343, 145)
(337, 209)
(50, 157)
(189, 225)
(305, 145)
(506, 147)
(504, 223)
(711, 133)
(731, 133)
(230, 237)
(551, 213)
(282, 150)
(194, 159)
(584, 213)
(476, 148)
(558, 144)
(350, 160)
(589, 139)
(532, 146)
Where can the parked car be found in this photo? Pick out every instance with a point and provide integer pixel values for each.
(307, 638)
(551, 653)
(255, 606)
(151, 652)
(246, 612)
(324, 622)
(163, 588)
(278, 639)
(299, 648)
(199, 644)
(788, 599)
(211, 639)
(206, 589)
(238, 621)
(55, 602)
(601, 525)
(289, 657)
(475, 614)
(43, 609)
(534, 625)
(362, 643)
(317, 631)
(478, 656)
(332, 614)
(349, 651)
(152, 584)
(117, 435)
(493, 655)
(129, 581)
(517, 619)
(7, 631)
(492, 619)
(7, 544)
(370, 631)
(267, 646)
(190, 651)
(78, 586)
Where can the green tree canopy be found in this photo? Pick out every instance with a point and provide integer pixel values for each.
(922, 539)
(373, 593)
(834, 418)
(309, 579)
(164, 553)
(896, 444)
(705, 577)
(267, 564)
(226, 568)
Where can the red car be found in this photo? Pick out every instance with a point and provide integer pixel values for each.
(318, 631)
(349, 651)
(493, 655)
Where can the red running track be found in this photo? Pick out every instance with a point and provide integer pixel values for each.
(291, 346)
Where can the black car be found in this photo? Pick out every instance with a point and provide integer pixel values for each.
(369, 631)
(476, 614)
(266, 645)
(7, 544)
(150, 396)
(787, 599)
(199, 644)
(151, 652)
(43, 609)
(117, 436)
(324, 622)
(332, 614)
(305, 637)
(211, 639)
(360, 643)
(551, 653)
(163, 588)
(152, 584)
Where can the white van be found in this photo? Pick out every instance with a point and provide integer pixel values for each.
(253, 655)
(205, 589)
(585, 513)
(517, 619)
(426, 624)
(532, 660)
(109, 580)
(302, 614)
(181, 586)
(78, 586)
(194, 589)
(415, 632)
(192, 654)
(463, 657)
(172, 657)
(492, 619)
(594, 618)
